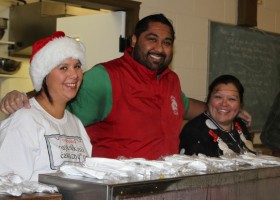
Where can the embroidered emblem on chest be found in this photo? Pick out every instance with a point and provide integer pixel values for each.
(174, 105)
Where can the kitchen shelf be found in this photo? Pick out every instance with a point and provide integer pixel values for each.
(6, 42)
(11, 76)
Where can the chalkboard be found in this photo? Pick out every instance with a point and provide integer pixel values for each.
(253, 56)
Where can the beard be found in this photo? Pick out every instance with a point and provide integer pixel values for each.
(153, 60)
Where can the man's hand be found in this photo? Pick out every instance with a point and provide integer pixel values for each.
(243, 114)
(13, 101)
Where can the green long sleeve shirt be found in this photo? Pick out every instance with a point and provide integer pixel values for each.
(93, 102)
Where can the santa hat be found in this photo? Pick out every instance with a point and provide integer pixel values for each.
(50, 52)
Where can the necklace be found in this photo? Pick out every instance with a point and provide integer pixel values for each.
(238, 143)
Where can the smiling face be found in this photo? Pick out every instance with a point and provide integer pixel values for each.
(64, 81)
(224, 104)
(154, 47)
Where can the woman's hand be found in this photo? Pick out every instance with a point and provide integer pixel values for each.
(243, 114)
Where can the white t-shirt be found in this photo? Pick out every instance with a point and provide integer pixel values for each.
(33, 142)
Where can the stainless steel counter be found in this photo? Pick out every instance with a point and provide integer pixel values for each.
(246, 183)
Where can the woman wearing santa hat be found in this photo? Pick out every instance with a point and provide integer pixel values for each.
(40, 139)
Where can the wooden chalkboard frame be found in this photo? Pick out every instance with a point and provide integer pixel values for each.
(253, 56)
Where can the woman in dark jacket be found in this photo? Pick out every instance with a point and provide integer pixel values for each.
(218, 131)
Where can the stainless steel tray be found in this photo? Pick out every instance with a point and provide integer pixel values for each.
(81, 188)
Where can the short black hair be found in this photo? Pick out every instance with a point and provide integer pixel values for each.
(143, 24)
(226, 79)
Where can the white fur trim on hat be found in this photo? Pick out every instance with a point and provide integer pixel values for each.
(51, 55)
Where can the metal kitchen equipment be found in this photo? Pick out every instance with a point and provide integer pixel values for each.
(9, 66)
(34, 21)
(256, 183)
(3, 26)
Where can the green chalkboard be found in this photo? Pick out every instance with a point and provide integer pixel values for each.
(251, 55)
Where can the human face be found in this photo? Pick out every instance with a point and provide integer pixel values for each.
(224, 104)
(154, 47)
(64, 80)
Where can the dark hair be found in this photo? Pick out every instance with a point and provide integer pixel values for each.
(143, 24)
(226, 79)
(45, 88)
